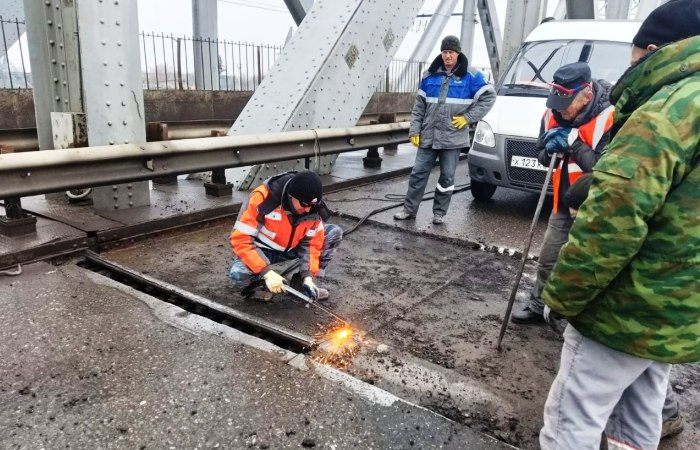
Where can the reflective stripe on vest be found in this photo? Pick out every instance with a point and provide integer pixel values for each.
(591, 133)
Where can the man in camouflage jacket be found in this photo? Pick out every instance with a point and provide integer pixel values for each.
(628, 280)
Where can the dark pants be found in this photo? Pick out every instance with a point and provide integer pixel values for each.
(425, 158)
(555, 237)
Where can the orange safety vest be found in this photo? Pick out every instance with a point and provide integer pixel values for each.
(591, 133)
(274, 230)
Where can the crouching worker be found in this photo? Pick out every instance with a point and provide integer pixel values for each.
(282, 220)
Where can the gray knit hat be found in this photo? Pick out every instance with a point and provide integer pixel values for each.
(450, 43)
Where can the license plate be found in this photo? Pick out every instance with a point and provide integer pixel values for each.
(526, 163)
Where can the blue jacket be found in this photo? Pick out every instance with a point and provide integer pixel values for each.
(443, 95)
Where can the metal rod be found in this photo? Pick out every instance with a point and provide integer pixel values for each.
(509, 308)
(187, 66)
(145, 59)
(311, 302)
(21, 54)
(179, 63)
(7, 57)
(155, 57)
(165, 58)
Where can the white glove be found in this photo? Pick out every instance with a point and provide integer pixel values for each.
(274, 282)
(310, 288)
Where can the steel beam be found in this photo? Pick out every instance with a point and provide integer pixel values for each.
(468, 26)
(298, 9)
(617, 9)
(645, 7)
(560, 10)
(206, 53)
(31, 173)
(522, 16)
(112, 88)
(492, 34)
(52, 35)
(325, 75)
(581, 9)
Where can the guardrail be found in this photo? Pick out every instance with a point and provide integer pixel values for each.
(32, 173)
(16, 140)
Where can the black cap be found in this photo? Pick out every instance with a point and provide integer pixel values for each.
(570, 76)
(306, 187)
(670, 22)
(450, 43)
(579, 190)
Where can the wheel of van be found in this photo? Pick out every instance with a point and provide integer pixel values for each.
(482, 191)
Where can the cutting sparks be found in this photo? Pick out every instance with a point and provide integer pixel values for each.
(337, 346)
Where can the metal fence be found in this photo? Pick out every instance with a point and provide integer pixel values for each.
(185, 63)
(13, 75)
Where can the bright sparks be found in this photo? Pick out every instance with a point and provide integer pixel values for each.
(337, 346)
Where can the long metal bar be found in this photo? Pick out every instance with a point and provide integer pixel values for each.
(31, 173)
(311, 302)
(25, 139)
(526, 250)
(7, 57)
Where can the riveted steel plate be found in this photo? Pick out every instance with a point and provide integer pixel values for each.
(325, 75)
(51, 238)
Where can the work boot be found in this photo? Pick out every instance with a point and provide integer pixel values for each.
(262, 295)
(323, 294)
(527, 317)
(672, 426)
(438, 219)
(403, 215)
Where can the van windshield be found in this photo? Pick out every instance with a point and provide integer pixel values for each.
(535, 63)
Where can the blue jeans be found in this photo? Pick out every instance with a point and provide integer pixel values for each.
(425, 158)
(241, 275)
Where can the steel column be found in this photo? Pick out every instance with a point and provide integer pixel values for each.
(617, 9)
(492, 34)
(325, 75)
(468, 25)
(206, 54)
(522, 16)
(581, 9)
(111, 76)
(52, 35)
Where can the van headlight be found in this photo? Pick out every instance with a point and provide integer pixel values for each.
(483, 135)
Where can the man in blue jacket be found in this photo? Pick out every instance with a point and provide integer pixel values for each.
(449, 99)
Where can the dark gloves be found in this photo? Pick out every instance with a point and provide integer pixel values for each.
(556, 140)
(556, 321)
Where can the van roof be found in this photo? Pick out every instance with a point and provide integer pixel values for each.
(597, 30)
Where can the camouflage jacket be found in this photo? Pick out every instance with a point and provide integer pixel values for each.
(629, 277)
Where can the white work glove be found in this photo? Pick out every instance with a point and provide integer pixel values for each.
(310, 288)
(274, 282)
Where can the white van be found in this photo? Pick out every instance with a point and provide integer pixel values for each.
(503, 151)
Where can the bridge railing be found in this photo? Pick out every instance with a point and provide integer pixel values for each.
(168, 62)
(14, 57)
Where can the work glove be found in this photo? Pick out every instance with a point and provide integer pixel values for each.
(274, 282)
(556, 321)
(459, 122)
(559, 139)
(415, 140)
(310, 288)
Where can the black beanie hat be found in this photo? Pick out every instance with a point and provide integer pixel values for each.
(670, 22)
(306, 187)
(450, 43)
(579, 190)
